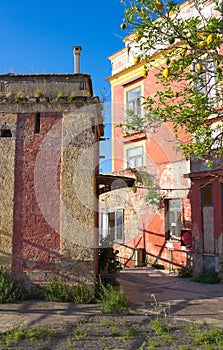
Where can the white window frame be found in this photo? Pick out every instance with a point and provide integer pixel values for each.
(135, 158)
(109, 232)
(134, 104)
(208, 80)
(134, 110)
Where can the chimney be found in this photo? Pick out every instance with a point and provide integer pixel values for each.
(77, 53)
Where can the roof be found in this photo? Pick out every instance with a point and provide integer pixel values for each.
(106, 183)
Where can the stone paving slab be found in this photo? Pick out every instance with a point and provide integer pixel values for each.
(41, 313)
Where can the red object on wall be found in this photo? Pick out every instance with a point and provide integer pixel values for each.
(186, 237)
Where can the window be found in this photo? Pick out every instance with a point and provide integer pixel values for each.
(134, 118)
(134, 157)
(37, 123)
(133, 100)
(216, 136)
(5, 133)
(173, 219)
(206, 79)
(206, 195)
(111, 227)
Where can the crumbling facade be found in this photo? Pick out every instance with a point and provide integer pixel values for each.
(49, 132)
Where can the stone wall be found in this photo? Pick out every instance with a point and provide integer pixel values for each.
(78, 191)
(7, 159)
(48, 188)
(49, 85)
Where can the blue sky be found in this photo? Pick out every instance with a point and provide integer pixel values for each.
(37, 37)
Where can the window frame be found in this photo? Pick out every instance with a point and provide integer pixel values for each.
(133, 109)
(203, 187)
(169, 223)
(136, 101)
(112, 231)
(134, 158)
(207, 79)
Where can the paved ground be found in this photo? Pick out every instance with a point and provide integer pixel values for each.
(188, 301)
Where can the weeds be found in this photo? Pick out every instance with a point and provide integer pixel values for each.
(115, 332)
(185, 271)
(212, 336)
(59, 291)
(110, 332)
(56, 290)
(9, 289)
(160, 308)
(32, 334)
(79, 333)
(107, 323)
(82, 294)
(211, 277)
(112, 300)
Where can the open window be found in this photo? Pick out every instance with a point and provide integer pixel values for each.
(5, 133)
(111, 227)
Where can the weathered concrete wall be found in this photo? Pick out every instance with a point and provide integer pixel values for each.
(7, 160)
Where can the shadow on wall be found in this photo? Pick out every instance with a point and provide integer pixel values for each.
(140, 256)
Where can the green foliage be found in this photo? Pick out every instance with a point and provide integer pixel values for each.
(9, 289)
(79, 333)
(111, 300)
(31, 333)
(212, 336)
(148, 181)
(189, 48)
(185, 271)
(82, 294)
(59, 291)
(160, 326)
(59, 95)
(107, 260)
(210, 277)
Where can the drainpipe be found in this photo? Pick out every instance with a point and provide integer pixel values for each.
(77, 53)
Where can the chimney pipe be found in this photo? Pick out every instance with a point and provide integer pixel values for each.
(77, 53)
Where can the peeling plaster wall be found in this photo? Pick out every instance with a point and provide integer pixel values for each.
(144, 225)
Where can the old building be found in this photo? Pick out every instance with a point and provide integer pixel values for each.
(207, 215)
(49, 131)
(153, 223)
(144, 228)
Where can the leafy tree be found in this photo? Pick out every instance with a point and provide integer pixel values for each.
(186, 53)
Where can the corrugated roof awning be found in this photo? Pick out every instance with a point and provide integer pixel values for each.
(106, 183)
